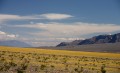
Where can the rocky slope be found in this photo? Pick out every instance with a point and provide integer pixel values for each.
(94, 40)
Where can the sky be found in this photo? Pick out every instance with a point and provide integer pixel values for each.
(49, 22)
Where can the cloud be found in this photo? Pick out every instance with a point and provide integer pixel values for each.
(12, 35)
(54, 16)
(54, 29)
(47, 41)
(59, 32)
(6, 17)
(70, 39)
(2, 33)
(48, 16)
(38, 43)
(36, 25)
(7, 36)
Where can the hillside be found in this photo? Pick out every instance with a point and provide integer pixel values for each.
(107, 47)
(101, 39)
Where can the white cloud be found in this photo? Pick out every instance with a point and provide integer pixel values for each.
(7, 36)
(38, 43)
(49, 16)
(58, 32)
(2, 33)
(12, 35)
(36, 25)
(70, 29)
(6, 17)
(47, 41)
(54, 16)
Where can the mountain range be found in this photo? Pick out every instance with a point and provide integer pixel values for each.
(100, 39)
(100, 43)
(14, 43)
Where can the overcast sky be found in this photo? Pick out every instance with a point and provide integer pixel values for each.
(49, 22)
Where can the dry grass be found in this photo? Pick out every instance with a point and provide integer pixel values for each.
(31, 60)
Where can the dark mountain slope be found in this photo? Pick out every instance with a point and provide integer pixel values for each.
(94, 40)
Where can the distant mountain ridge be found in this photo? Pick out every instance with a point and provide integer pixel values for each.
(14, 43)
(100, 39)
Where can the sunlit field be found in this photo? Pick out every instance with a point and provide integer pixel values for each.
(31, 60)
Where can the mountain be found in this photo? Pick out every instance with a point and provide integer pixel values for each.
(14, 43)
(106, 47)
(100, 39)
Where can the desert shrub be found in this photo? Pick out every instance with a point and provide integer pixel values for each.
(103, 69)
(66, 67)
(81, 70)
(42, 67)
(24, 66)
(78, 70)
(5, 66)
(52, 66)
(20, 71)
(64, 60)
(12, 64)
